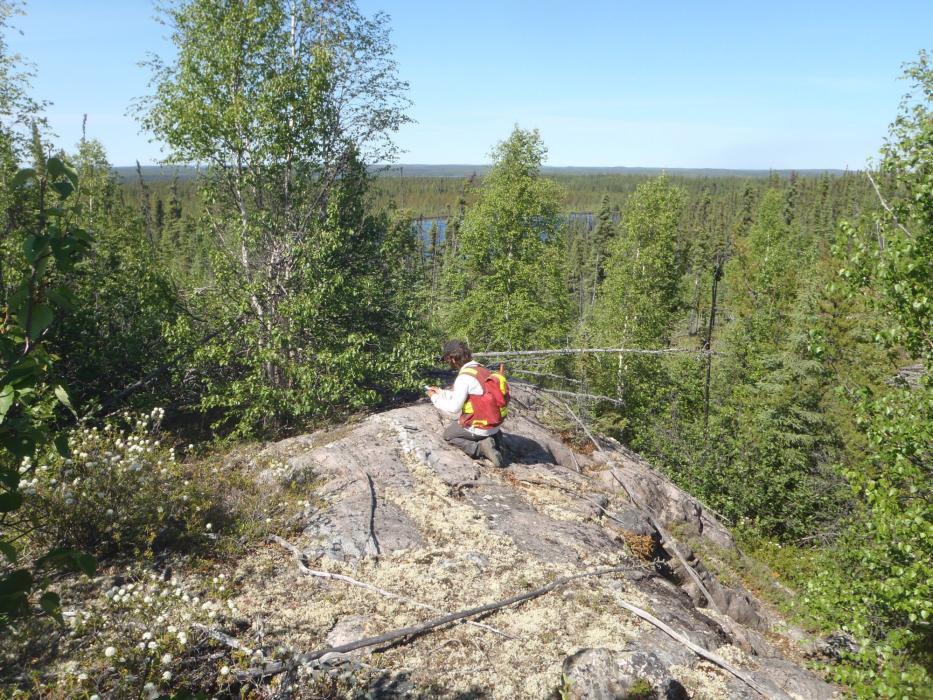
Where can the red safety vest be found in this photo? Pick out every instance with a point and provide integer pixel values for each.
(489, 409)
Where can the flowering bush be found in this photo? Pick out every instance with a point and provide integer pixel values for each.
(133, 633)
(121, 490)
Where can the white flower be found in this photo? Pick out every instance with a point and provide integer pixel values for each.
(166, 659)
(167, 676)
(95, 696)
(172, 629)
(225, 670)
(109, 651)
(152, 645)
(208, 526)
(82, 676)
(151, 691)
(147, 636)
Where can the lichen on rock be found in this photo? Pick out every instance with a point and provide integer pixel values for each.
(407, 513)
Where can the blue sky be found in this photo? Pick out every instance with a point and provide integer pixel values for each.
(677, 84)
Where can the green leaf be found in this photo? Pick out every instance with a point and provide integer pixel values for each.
(41, 319)
(62, 252)
(7, 395)
(18, 581)
(63, 187)
(22, 177)
(10, 501)
(54, 167)
(63, 397)
(71, 174)
(23, 373)
(12, 603)
(33, 247)
(52, 604)
(21, 444)
(70, 558)
(9, 551)
(10, 477)
(61, 445)
(62, 297)
(87, 564)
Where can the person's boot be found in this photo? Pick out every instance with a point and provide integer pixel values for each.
(487, 448)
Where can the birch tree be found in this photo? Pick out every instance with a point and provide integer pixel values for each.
(283, 102)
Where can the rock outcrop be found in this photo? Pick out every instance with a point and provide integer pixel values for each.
(397, 508)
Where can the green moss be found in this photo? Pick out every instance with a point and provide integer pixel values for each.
(641, 690)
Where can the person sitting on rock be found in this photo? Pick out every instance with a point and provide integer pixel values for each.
(476, 431)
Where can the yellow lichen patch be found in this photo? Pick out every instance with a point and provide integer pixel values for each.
(642, 546)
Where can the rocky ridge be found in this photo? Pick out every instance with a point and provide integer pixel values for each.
(396, 508)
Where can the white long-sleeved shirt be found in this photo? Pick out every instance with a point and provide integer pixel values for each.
(452, 400)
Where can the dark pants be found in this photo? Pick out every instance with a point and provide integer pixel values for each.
(467, 441)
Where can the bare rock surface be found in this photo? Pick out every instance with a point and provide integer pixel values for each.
(413, 518)
(603, 674)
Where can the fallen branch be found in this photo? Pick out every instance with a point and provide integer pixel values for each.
(272, 669)
(300, 560)
(547, 375)
(700, 651)
(578, 420)
(672, 543)
(372, 544)
(572, 394)
(219, 636)
(594, 351)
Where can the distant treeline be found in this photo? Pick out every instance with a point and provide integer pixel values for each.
(442, 196)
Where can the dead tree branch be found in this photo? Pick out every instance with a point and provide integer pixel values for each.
(887, 208)
(700, 651)
(592, 351)
(275, 668)
(571, 394)
(577, 419)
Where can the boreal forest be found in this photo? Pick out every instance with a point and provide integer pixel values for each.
(763, 339)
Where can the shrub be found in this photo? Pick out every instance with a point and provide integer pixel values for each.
(121, 490)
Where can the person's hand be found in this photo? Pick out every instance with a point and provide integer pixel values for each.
(431, 390)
